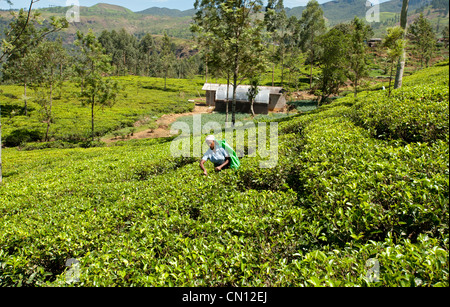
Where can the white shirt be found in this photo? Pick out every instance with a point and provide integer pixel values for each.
(216, 156)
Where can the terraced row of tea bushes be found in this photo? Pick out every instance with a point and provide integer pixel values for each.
(359, 188)
(131, 232)
(134, 216)
(401, 263)
(419, 114)
(363, 189)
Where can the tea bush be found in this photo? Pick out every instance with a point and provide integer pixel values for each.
(339, 198)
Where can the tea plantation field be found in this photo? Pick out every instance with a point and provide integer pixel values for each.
(358, 183)
(140, 98)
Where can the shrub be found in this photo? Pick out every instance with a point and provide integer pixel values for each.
(416, 114)
(22, 135)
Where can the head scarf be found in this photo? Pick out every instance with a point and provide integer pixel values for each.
(210, 139)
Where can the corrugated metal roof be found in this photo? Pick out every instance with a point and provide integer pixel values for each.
(210, 87)
(241, 92)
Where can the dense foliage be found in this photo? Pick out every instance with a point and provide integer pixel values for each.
(145, 55)
(341, 194)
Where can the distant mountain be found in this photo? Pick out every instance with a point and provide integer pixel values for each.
(175, 22)
(157, 11)
(344, 10)
(110, 17)
(108, 8)
(98, 9)
(335, 11)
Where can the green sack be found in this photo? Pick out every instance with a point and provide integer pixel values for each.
(235, 163)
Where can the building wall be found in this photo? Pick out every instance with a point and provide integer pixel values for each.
(210, 98)
(277, 102)
(243, 107)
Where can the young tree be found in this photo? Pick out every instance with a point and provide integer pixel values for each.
(422, 36)
(50, 55)
(295, 57)
(212, 38)
(22, 36)
(357, 56)
(294, 63)
(402, 59)
(234, 23)
(332, 60)
(253, 91)
(219, 61)
(14, 43)
(19, 68)
(91, 67)
(312, 25)
(147, 48)
(277, 25)
(395, 44)
(167, 57)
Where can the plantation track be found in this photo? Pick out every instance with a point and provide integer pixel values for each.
(163, 124)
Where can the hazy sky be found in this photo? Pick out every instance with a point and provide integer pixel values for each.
(134, 5)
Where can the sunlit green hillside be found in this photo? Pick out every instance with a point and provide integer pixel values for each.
(357, 182)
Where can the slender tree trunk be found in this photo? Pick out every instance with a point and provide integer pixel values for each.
(252, 109)
(273, 75)
(402, 59)
(25, 98)
(49, 115)
(290, 78)
(228, 99)
(312, 60)
(61, 81)
(48, 129)
(390, 78)
(273, 67)
(282, 68)
(400, 71)
(92, 114)
(165, 80)
(233, 105)
(206, 69)
(235, 83)
(1, 176)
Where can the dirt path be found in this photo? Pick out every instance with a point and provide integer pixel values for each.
(163, 124)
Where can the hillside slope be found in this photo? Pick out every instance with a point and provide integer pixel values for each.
(356, 180)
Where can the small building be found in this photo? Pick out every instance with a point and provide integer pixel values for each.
(268, 99)
(374, 42)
